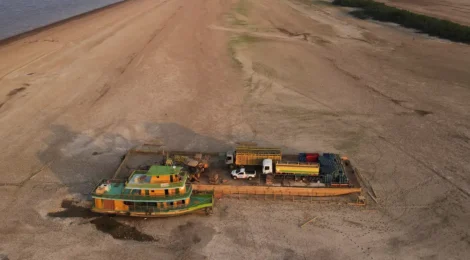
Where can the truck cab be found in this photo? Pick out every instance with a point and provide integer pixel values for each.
(268, 166)
(229, 158)
(243, 173)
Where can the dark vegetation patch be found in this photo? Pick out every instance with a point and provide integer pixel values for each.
(284, 31)
(354, 223)
(422, 112)
(423, 23)
(15, 91)
(396, 101)
(291, 34)
(194, 233)
(461, 137)
(196, 239)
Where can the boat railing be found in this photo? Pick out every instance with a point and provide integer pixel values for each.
(138, 197)
(148, 207)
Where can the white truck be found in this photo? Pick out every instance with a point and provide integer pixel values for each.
(243, 173)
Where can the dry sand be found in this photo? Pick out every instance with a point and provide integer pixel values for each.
(204, 74)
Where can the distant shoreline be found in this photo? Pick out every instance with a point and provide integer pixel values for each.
(55, 24)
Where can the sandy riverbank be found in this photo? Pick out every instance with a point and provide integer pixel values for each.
(205, 74)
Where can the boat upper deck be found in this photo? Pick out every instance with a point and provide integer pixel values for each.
(144, 181)
(117, 191)
(158, 184)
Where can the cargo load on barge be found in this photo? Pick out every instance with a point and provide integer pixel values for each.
(251, 155)
(299, 176)
(325, 168)
(160, 191)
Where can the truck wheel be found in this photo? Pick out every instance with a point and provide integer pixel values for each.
(249, 178)
(234, 177)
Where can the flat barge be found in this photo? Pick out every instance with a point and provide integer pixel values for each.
(145, 155)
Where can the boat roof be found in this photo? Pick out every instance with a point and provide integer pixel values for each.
(141, 181)
(159, 170)
(118, 191)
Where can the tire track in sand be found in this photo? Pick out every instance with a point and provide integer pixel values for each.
(107, 86)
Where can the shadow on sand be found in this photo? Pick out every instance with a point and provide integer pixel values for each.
(80, 160)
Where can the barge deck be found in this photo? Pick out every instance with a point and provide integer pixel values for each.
(146, 155)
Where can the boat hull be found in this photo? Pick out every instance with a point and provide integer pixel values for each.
(168, 212)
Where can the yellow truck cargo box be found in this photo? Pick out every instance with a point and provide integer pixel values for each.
(298, 168)
(246, 155)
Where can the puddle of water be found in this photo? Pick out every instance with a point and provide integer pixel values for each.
(102, 223)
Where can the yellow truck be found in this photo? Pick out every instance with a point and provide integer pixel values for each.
(309, 171)
(252, 155)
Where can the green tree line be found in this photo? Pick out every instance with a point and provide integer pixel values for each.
(425, 24)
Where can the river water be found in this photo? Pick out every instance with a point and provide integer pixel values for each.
(17, 16)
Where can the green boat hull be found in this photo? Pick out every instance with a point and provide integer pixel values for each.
(198, 203)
